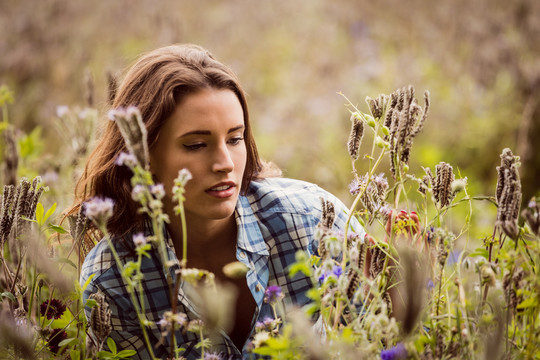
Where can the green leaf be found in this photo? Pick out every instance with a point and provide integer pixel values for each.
(528, 302)
(87, 282)
(67, 261)
(57, 228)
(299, 267)
(7, 294)
(124, 354)
(112, 345)
(91, 303)
(75, 355)
(49, 212)
(39, 213)
(480, 252)
(66, 342)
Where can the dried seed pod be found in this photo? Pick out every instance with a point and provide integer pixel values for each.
(328, 214)
(355, 137)
(353, 282)
(100, 318)
(442, 188)
(508, 194)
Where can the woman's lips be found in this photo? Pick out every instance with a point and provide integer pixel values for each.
(222, 190)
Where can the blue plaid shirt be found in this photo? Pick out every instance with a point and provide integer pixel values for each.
(276, 218)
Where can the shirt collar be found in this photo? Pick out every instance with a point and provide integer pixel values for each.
(249, 234)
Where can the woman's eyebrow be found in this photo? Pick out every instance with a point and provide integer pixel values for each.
(208, 132)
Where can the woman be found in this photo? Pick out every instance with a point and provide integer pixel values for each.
(196, 117)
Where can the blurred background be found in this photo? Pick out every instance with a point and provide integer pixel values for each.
(479, 60)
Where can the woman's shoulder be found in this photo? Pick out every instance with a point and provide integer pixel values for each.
(287, 195)
(100, 258)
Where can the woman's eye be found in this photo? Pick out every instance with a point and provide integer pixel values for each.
(194, 146)
(236, 140)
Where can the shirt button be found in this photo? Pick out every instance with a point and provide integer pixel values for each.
(242, 255)
(258, 287)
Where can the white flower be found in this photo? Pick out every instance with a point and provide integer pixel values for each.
(158, 191)
(99, 209)
(62, 111)
(116, 113)
(126, 159)
(139, 239)
(184, 176)
(137, 194)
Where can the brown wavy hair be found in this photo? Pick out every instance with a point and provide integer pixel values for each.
(156, 83)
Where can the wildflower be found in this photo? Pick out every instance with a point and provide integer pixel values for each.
(99, 209)
(137, 193)
(355, 187)
(355, 137)
(335, 272)
(184, 176)
(430, 285)
(272, 294)
(54, 340)
(395, 353)
(158, 191)
(62, 111)
(52, 309)
(268, 324)
(126, 159)
(212, 356)
(139, 239)
(100, 317)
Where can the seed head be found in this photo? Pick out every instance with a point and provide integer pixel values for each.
(442, 187)
(133, 130)
(100, 317)
(328, 214)
(355, 137)
(508, 194)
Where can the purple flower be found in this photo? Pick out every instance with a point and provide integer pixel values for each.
(395, 353)
(336, 272)
(113, 114)
(139, 239)
(52, 309)
(158, 191)
(430, 285)
(99, 209)
(54, 340)
(212, 356)
(126, 159)
(354, 187)
(272, 294)
(137, 193)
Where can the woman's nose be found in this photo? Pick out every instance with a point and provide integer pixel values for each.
(223, 161)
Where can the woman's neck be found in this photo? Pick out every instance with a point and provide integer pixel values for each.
(217, 235)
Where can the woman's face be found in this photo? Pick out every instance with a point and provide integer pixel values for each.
(205, 135)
